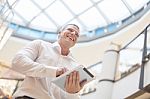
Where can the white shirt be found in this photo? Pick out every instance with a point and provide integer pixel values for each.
(39, 61)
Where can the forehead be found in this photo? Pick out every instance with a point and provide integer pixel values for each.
(72, 27)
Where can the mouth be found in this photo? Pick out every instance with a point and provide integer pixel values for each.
(70, 38)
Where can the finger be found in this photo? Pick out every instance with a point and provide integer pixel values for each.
(66, 81)
(74, 78)
(63, 70)
(70, 79)
(77, 78)
(58, 72)
(83, 82)
(66, 69)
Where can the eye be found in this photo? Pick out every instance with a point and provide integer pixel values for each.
(71, 30)
(77, 34)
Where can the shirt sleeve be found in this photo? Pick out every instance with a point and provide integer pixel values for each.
(24, 62)
(66, 95)
(58, 93)
(72, 96)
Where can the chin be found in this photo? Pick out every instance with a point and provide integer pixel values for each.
(69, 44)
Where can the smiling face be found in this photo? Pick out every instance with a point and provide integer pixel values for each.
(69, 35)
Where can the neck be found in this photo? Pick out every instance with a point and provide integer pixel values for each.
(64, 49)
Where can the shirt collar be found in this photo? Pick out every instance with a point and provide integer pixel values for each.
(56, 46)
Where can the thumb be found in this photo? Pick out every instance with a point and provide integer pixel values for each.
(83, 82)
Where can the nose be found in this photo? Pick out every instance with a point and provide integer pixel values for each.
(73, 32)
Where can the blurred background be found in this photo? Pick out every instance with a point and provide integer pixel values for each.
(102, 22)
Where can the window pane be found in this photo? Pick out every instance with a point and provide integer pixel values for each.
(43, 23)
(92, 19)
(59, 13)
(26, 9)
(44, 3)
(136, 5)
(114, 9)
(78, 6)
(17, 19)
(11, 1)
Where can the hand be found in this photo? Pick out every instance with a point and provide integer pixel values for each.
(60, 71)
(73, 84)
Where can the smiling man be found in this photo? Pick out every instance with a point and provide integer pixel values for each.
(42, 61)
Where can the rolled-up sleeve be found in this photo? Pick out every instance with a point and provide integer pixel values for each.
(66, 95)
(24, 62)
(72, 96)
(58, 93)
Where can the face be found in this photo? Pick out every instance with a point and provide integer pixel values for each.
(69, 35)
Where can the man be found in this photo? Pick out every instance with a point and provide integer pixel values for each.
(42, 61)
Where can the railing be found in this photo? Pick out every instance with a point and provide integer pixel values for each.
(134, 67)
(145, 58)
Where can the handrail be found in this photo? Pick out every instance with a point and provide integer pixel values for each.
(144, 59)
(134, 38)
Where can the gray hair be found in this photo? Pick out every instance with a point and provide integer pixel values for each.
(63, 27)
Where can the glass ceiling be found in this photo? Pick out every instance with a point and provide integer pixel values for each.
(49, 15)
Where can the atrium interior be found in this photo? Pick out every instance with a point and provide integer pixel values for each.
(114, 42)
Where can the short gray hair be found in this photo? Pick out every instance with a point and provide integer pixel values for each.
(63, 27)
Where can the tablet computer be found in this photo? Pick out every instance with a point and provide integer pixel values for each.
(83, 72)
